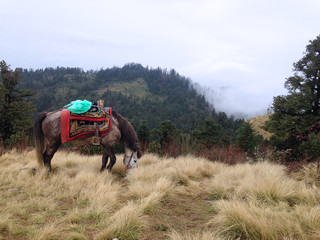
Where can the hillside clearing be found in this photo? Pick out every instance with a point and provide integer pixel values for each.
(182, 198)
(138, 88)
(258, 125)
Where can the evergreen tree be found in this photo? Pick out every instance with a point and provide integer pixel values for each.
(164, 137)
(209, 133)
(144, 133)
(168, 133)
(15, 108)
(296, 113)
(246, 138)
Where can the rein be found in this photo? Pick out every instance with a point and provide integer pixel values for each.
(127, 166)
(60, 109)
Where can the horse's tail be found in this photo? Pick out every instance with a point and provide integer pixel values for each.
(39, 137)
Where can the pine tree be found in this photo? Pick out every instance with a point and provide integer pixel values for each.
(15, 107)
(144, 132)
(168, 133)
(296, 113)
(208, 134)
(246, 138)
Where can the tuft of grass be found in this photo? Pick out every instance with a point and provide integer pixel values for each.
(236, 219)
(204, 235)
(75, 236)
(140, 189)
(148, 159)
(70, 164)
(127, 223)
(5, 223)
(149, 204)
(263, 181)
(309, 174)
(52, 230)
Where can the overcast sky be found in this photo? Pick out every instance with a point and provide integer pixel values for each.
(240, 50)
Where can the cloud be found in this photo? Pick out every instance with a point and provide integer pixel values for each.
(243, 50)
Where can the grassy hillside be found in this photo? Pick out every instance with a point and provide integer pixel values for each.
(183, 198)
(258, 123)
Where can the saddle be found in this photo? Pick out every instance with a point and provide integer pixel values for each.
(95, 122)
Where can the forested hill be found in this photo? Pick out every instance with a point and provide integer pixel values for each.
(138, 93)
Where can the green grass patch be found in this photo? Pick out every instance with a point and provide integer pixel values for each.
(137, 88)
(162, 227)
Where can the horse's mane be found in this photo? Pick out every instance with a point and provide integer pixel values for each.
(128, 134)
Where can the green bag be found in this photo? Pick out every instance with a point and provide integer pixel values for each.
(79, 106)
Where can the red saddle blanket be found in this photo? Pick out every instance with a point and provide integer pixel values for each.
(77, 126)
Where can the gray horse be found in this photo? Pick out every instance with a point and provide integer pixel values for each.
(47, 136)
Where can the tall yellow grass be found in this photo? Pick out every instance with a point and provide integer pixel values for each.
(76, 201)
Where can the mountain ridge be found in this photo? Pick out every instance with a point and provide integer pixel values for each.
(138, 93)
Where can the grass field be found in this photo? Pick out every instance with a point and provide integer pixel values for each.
(182, 198)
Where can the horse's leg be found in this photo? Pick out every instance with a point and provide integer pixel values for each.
(47, 160)
(112, 159)
(104, 161)
(48, 154)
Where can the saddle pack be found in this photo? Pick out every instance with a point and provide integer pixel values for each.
(94, 122)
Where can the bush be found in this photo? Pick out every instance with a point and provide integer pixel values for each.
(19, 141)
(310, 147)
(226, 154)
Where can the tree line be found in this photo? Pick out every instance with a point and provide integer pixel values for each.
(168, 109)
(168, 95)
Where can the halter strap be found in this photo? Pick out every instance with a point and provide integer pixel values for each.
(127, 166)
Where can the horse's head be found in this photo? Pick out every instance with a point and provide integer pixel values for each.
(130, 159)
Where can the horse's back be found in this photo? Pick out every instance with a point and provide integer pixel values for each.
(51, 125)
(113, 136)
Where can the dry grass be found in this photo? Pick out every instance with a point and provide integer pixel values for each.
(204, 235)
(258, 124)
(310, 174)
(159, 200)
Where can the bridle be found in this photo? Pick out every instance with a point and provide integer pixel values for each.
(128, 164)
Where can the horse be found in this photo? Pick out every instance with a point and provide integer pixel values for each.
(47, 136)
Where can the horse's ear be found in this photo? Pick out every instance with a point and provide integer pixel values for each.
(137, 149)
(139, 153)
